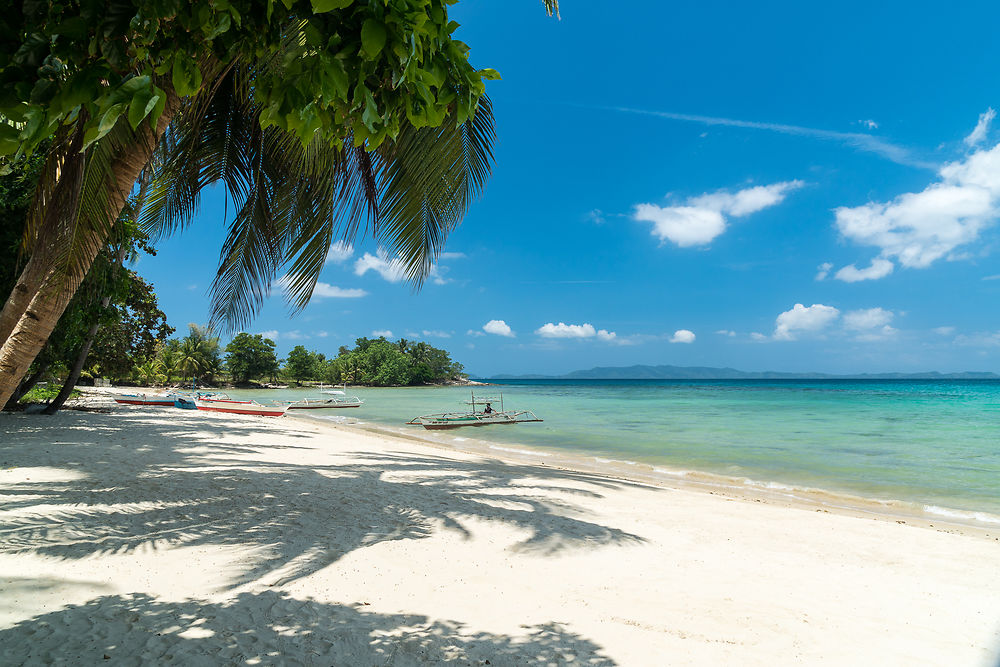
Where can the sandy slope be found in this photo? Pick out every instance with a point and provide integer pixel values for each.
(155, 535)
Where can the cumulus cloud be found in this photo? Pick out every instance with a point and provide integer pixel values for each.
(382, 333)
(982, 127)
(683, 336)
(701, 219)
(801, 319)
(498, 328)
(326, 290)
(918, 228)
(563, 330)
(823, 270)
(879, 268)
(339, 252)
(391, 269)
(869, 318)
(272, 334)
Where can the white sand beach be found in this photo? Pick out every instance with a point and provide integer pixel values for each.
(159, 536)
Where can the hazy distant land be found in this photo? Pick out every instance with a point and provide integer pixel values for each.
(640, 372)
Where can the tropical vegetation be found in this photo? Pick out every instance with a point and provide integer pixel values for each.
(318, 116)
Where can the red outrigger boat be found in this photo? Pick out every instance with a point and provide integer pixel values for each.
(240, 407)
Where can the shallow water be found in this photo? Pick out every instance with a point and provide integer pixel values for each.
(934, 443)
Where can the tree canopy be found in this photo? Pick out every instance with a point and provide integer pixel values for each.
(251, 356)
(337, 67)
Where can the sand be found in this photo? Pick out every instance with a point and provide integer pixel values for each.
(170, 537)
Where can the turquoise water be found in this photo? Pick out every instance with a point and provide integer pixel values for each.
(935, 443)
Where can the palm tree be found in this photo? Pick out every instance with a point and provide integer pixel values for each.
(149, 372)
(410, 192)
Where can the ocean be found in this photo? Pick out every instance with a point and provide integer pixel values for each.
(932, 445)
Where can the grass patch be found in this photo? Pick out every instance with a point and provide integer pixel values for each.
(45, 393)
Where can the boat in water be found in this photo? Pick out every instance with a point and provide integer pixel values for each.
(240, 407)
(487, 416)
(337, 399)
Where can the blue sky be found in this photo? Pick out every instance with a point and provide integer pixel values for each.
(769, 187)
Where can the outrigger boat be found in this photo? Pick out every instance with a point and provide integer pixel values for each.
(485, 417)
(240, 407)
(338, 399)
(145, 399)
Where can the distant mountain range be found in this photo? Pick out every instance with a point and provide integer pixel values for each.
(707, 373)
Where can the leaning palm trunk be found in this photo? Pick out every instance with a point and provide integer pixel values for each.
(74, 373)
(49, 281)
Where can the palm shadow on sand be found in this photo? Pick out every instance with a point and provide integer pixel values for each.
(181, 486)
(273, 628)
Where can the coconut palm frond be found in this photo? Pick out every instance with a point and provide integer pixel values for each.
(429, 177)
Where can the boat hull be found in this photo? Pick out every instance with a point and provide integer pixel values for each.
(142, 399)
(241, 408)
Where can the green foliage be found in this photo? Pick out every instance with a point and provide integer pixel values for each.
(45, 393)
(133, 328)
(302, 364)
(250, 357)
(336, 67)
(197, 356)
(379, 362)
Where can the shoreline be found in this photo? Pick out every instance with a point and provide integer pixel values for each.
(164, 536)
(916, 513)
(913, 512)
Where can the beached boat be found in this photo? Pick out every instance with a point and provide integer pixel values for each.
(240, 407)
(145, 399)
(485, 417)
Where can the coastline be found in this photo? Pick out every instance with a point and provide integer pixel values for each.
(915, 513)
(156, 535)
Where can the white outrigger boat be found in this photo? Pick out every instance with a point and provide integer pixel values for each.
(486, 417)
(338, 399)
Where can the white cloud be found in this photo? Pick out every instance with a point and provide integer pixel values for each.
(498, 328)
(879, 268)
(294, 335)
(801, 319)
(596, 216)
(918, 228)
(382, 333)
(870, 318)
(473, 332)
(869, 123)
(993, 277)
(982, 127)
(326, 290)
(823, 270)
(272, 334)
(192, 286)
(436, 334)
(321, 334)
(585, 330)
(392, 270)
(726, 332)
(339, 252)
(944, 331)
(683, 336)
(701, 219)
(452, 255)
